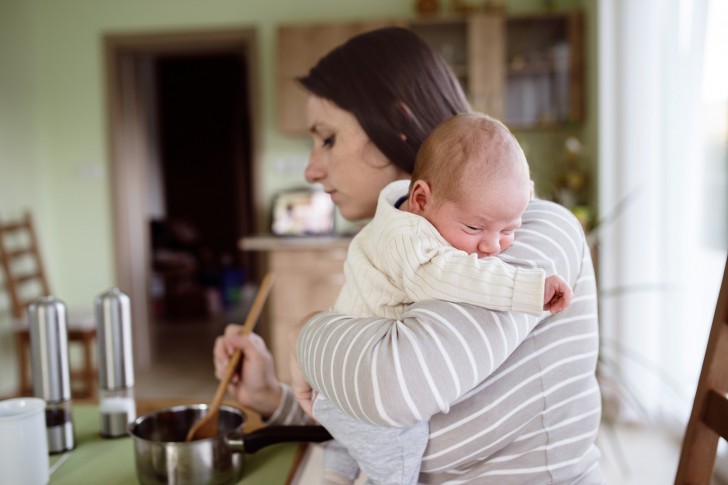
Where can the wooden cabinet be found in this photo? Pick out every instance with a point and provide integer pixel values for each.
(309, 275)
(525, 70)
(545, 66)
(474, 46)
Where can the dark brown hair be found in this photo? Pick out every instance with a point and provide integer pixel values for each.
(394, 84)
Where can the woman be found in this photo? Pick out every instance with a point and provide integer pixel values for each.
(509, 397)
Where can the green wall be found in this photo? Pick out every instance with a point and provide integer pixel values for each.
(53, 144)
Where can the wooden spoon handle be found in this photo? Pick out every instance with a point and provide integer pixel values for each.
(248, 326)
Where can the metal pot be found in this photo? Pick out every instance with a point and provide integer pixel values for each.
(164, 457)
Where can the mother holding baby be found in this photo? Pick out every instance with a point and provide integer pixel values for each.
(508, 397)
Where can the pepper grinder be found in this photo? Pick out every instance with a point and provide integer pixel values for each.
(50, 368)
(116, 365)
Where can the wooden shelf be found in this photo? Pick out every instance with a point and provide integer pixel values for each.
(521, 69)
(545, 69)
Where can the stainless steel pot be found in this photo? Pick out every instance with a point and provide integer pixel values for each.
(163, 457)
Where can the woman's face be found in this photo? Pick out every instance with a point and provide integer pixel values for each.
(345, 162)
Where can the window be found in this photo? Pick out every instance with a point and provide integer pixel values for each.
(663, 159)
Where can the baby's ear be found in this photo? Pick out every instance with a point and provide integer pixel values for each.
(420, 197)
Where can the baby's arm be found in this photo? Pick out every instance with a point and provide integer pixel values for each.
(446, 273)
(557, 294)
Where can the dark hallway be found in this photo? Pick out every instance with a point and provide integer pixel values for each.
(203, 128)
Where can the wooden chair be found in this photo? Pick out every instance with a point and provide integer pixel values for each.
(25, 280)
(709, 417)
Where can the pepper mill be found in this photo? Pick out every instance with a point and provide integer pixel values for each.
(116, 364)
(50, 368)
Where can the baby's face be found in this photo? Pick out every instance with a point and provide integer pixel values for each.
(484, 220)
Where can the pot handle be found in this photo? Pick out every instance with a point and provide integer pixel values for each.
(271, 435)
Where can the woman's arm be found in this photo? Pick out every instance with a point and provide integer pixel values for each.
(396, 372)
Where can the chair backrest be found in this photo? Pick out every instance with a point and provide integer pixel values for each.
(25, 278)
(709, 417)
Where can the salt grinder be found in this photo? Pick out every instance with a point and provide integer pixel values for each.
(51, 372)
(116, 365)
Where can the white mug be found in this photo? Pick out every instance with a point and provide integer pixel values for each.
(23, 441)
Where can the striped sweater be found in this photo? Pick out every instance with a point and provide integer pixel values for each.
(400, 258)
(510, 397)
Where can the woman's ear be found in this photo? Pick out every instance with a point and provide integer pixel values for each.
(420, 197)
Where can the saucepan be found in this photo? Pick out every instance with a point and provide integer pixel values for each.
(164, 457)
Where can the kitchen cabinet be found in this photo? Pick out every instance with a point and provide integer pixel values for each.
(527, 70)
(474, 46)
(545, 69)
(309, 275)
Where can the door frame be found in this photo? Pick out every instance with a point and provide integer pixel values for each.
(127, 63)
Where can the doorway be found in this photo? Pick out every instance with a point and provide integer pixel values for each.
(182, 127)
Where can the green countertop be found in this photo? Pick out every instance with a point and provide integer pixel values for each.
(96, 460)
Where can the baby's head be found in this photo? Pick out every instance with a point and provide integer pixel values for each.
(471, 181)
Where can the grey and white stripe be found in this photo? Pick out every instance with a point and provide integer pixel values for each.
(510, 397)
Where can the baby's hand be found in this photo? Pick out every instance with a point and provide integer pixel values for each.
(557, 294)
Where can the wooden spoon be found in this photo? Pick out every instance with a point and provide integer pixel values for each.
(207, 426)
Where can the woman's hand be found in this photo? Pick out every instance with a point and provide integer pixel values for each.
(255, 385)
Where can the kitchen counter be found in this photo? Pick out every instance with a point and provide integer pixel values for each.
(277, 243)
(96, 460)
